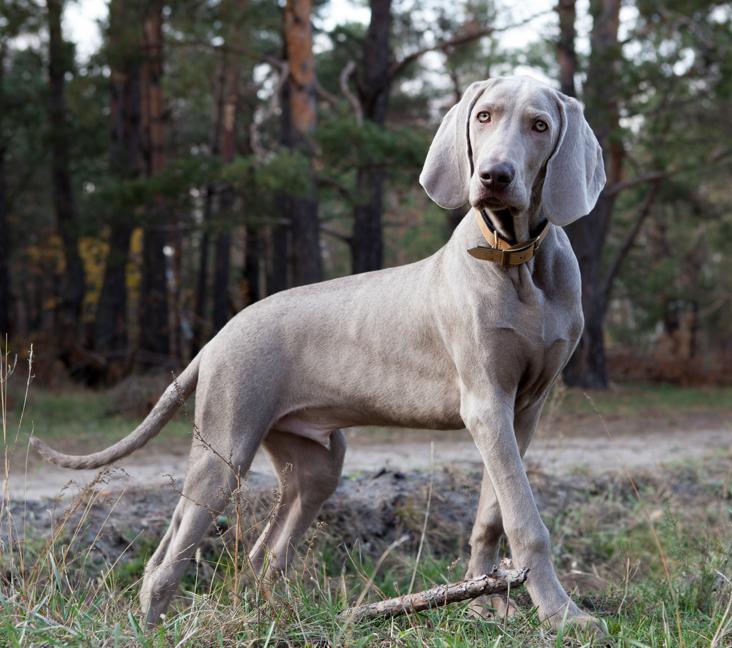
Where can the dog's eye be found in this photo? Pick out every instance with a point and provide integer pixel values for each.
(484, 116)
(540, 125)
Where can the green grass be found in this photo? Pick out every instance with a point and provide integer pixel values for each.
(666, 555)
(664, 548)
(642, 399)
(83, 419)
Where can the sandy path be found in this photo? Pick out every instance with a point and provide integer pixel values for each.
(552, 455)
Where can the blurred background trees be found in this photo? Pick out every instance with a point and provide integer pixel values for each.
(212, 152)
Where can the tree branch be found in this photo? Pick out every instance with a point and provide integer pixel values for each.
(456, 41)
(336, 235)
(653, 176)
(260, 116)
(352, 98)
(334, 184)
(630, 238)
(499, 580)
(324, 94)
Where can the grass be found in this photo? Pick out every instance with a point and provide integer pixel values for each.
(83, 419)
(55, 596)
(659, 543)
(637, 399)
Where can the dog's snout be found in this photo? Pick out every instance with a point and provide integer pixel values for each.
(497, 176)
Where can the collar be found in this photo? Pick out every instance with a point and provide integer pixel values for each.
(501, 251)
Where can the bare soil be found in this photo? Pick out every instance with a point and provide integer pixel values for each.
(116, 516)
(600, 448)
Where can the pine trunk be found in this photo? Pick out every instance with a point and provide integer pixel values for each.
(154, 343)
(234, 13)
(111, 337)
(374, 86)
(251, 264)
(587, 367)
(565, 47)
(72, 286)
(201, 296)
(5, 305)
(306, 261)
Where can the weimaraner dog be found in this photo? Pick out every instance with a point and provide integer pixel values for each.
(472, 336)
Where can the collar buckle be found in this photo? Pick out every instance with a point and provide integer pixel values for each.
(501, 251)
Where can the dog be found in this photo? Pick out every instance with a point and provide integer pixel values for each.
(473, 336)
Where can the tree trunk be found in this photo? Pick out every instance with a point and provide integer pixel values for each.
(587, 367)
(154, 344)
(565, 47)
(201, 297)
(278, 234)
(222, 273)
(111, 336)
(4, 231)
(251, 264)
(307, 265)
(72, 287)
(234, 14)
(374, 86)
(110, 325)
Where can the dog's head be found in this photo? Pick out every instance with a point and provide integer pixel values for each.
(502, 138)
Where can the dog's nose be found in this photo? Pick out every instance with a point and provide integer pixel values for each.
(497, 176)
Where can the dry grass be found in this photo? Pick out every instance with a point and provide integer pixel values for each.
(658, 546)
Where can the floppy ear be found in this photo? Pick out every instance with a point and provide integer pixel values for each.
(446, 172)
(575, 173)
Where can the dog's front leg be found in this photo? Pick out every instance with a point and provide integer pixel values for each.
(489, 418)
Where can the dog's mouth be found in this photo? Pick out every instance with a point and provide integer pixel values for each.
(501, 218)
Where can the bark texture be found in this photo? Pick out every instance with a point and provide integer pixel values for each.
(566, 53)
(111, 337)
(587, 367)
(72, 285)
(498, 581)
(5, 304)
(229, 105)
(374, 86)
(154, 346)
(302, 112)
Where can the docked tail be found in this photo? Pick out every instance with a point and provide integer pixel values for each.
(163, 411)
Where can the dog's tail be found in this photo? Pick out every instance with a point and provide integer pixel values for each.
(163, 411)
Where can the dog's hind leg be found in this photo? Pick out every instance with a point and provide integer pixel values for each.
(206, 490)
(219, 459)
(308, 473)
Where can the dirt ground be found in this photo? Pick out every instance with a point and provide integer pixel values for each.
(595, 447)
(592, 473)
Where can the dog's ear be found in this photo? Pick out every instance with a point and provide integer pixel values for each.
(446, 172)
(575, 173)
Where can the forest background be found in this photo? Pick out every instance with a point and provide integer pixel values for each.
(193, 157)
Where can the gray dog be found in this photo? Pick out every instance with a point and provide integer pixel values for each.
(472, 336)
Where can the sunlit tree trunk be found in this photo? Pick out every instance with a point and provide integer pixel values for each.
(306, 261)
(72, 287)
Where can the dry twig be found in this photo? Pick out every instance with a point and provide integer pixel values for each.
(499, 580)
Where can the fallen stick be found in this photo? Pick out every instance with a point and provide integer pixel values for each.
(498, 581)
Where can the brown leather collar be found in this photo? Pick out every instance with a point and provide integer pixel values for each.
(501, 251)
